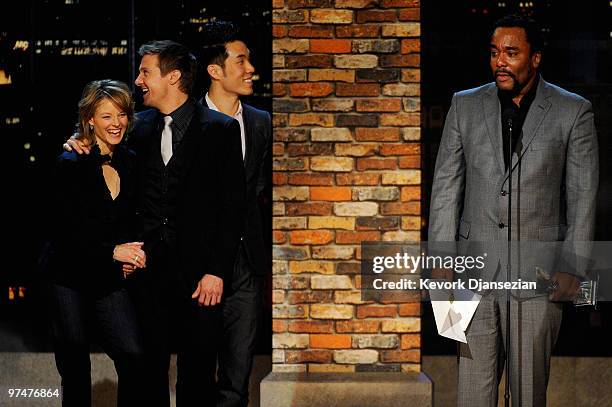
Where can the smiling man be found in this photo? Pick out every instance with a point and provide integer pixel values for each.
(192, 206)
(229, 75)
(554, 174)
(191, 201)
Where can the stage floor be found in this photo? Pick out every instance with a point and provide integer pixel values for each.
(574, 381)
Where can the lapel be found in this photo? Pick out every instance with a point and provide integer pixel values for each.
(249, 128)
(538, 110)
(492, 114)
(246, 121)
(189, 148)
(146, 135)
(535, 116)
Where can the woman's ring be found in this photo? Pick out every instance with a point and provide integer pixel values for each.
(136, 258)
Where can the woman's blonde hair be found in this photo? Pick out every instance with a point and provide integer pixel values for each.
(93, 94)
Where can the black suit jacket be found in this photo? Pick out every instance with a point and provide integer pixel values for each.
(87, 223)
(210, 207)
(258, 174)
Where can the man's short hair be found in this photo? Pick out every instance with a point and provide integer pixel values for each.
(218, 34)
(532, 29)
(173, 55)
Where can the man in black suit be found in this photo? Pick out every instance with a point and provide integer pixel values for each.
(192, 204)
(230, 76)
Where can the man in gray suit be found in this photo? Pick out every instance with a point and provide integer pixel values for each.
(554, 184)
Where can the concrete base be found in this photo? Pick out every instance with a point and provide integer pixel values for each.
(346, 390)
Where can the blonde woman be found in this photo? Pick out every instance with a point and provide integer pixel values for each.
(94, 235)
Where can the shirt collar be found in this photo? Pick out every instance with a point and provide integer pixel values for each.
(531, 94)
(506, 98)
(183, 114)
(211, 105)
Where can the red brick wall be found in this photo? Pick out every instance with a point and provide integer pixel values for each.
(346, 169)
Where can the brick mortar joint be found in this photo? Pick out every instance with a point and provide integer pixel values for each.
(284, 124)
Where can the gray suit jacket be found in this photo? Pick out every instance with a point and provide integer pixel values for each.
(555, 174)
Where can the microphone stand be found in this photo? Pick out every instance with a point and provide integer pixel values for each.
(508, 265)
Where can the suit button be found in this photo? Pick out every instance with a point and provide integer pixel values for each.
(501, 225)
(165, 221)
(503, 193)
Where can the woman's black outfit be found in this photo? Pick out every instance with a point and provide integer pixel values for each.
(88, 293)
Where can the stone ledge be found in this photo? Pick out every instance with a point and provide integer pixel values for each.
(346, 390)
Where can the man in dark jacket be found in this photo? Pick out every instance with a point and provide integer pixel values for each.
(192, 204)
(230, 76)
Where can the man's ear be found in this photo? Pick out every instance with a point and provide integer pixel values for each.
(215, 71)
(536, 58)
(174, 76)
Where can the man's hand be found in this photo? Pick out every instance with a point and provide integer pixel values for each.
(209, 290)
(80, 146)
(566, 287)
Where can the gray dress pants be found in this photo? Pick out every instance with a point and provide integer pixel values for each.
(534, 325)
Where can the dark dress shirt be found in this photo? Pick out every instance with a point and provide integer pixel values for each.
(181, 118)
(509, 109)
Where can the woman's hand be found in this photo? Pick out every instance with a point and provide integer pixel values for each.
(131, 254)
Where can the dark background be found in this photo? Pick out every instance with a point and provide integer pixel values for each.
(50, 49)
(577, 57)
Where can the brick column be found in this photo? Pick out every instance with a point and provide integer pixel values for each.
(346, 169)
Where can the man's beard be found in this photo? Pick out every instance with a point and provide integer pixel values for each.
(517, 87)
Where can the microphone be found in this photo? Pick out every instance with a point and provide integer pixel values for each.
(510, 114)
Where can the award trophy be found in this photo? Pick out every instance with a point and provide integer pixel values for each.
(586, 294)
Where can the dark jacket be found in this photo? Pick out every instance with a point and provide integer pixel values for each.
(257, 166)
(209, 202)
(87, 223)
